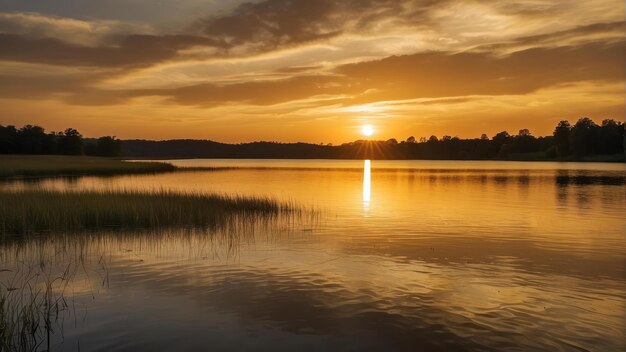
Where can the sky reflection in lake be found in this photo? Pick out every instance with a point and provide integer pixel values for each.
(408, 256)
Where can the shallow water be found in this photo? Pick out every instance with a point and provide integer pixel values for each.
(404, 255)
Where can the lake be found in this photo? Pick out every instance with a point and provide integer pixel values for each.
(399, 255)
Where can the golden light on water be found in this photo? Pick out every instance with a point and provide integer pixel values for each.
(367, 184)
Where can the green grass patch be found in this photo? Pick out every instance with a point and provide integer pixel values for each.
(54, 165)
(41, 211)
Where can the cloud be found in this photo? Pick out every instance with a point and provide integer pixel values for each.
(423, 75)
(123, 51)
(274, 23)
(608, 31)
(440, 74)
(14, 86)
(250, 28)
(259, 27)
(33, 25)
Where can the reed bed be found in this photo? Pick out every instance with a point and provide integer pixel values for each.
(83, 227)
(41, 211)
(54, 165)
(30, 308)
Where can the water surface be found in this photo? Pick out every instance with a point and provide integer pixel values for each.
(404, 255)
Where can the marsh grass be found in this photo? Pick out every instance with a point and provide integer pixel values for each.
(53, 165)
(41, 211)
(79, 226)
(31, 305)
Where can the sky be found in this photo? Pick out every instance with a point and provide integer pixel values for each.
(309, 70)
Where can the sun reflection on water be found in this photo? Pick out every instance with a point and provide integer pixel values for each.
(367, 184)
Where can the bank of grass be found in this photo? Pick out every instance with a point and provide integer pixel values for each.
(43, 211)
(55, 165)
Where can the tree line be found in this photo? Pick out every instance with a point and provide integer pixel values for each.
(31, 139)
(569, 142)
(585, 139)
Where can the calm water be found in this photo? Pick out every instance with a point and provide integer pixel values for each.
(408, 255)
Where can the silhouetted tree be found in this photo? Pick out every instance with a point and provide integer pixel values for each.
(51, 143)
(482, 149)
(411, 140)
(583, 137)
(499, 140)
(109, 146)
(524, 142)
(8, 140)
(90, 146)
(561, 138)
(392, 141)
(31, 139)
(71, 142)
(610, 139)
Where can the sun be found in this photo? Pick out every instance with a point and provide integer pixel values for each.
(367, 130)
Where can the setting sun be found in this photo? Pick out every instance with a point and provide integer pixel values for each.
(367, 130)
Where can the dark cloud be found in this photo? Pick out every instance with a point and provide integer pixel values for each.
(264, 26)
(122, 51)
(273, 23)
(250, 28)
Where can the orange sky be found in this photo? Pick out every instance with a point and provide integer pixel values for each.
(313, 71)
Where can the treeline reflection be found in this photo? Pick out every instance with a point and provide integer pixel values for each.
(558, 177)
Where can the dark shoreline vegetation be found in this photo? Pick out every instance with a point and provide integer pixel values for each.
(43, 211)
(584, 141)
(54, 165)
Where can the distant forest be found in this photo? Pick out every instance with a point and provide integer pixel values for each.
(585, 140)
(35, 140)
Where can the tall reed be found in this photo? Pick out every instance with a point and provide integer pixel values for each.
(30, 307)
(40, 211)
(48, 165)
